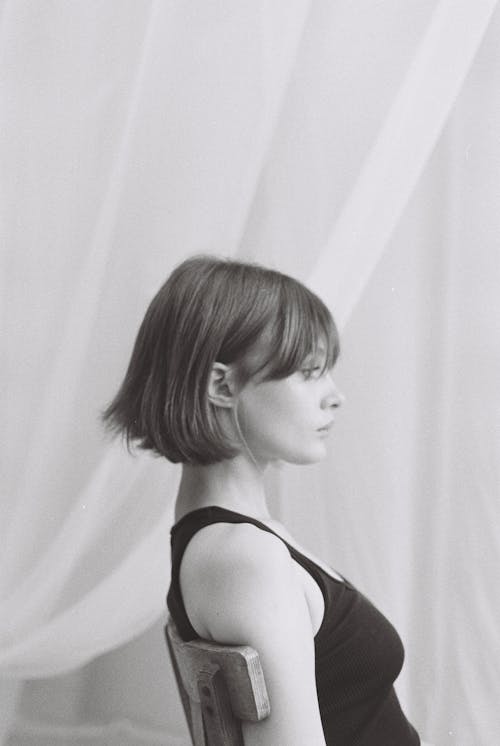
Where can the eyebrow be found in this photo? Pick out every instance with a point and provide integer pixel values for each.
(319, 351)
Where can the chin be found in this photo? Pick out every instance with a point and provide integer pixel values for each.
(314, 456)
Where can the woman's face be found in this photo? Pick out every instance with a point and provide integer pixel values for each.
(289, 419)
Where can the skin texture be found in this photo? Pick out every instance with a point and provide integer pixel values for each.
(248, 593)
(281, 420)
(239, 584)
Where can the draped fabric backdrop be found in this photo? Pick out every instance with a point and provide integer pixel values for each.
(355, 146)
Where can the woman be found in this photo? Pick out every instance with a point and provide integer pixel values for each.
(231, 372)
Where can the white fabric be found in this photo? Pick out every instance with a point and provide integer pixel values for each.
(415, 117)
(138, 132)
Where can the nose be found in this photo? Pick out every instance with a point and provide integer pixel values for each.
(334, 397)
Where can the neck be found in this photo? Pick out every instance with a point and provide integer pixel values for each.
(236, 484)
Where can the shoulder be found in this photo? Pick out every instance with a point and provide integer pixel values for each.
(240, 588)
(230, 565)
(217, 543)
(220, 543)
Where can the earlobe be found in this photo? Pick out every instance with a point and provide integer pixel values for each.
(220, 386)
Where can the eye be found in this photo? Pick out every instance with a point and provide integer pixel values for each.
(312, 372)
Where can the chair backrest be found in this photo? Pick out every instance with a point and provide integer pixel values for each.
(219, 685)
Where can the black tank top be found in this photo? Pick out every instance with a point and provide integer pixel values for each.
(358, 652)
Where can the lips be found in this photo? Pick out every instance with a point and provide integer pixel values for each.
(325, 428)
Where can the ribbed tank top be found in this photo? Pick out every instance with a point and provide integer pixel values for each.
(358, 653)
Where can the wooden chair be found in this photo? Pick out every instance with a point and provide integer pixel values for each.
(219, 685)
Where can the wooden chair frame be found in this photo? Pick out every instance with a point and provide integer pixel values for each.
(219, 685)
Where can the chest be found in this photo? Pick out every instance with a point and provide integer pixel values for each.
(310, 588)
(281, 531)
(312, 594)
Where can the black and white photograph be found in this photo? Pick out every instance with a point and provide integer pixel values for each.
(250, 377)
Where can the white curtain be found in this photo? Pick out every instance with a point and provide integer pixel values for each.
(298, 134)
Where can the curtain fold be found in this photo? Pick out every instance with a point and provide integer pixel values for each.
(402, 147)
(57, 408)
(35, 584)
(135, 134)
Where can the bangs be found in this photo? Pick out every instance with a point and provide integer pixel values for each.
(259, 320)
(303, 326)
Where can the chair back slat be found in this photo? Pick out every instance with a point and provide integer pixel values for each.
(222, 728)
(187, 704)
(224, 683)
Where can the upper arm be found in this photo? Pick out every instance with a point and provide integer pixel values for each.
(247, 593)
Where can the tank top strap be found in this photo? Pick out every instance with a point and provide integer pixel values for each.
(183, 531)
(195, 520)
(358, 653)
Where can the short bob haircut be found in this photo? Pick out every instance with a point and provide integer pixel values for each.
(213, 310)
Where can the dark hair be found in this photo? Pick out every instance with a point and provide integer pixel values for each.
(212, 309)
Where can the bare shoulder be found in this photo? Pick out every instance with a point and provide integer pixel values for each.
(218, 541)
(239, 587)
(224, 562)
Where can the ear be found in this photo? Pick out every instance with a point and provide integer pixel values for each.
(221, 389)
